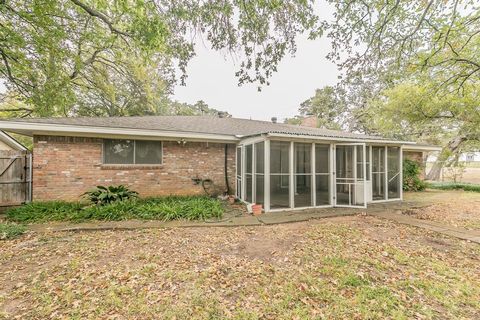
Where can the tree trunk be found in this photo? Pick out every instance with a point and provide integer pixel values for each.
(452, 147)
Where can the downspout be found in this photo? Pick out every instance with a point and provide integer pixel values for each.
(226, 169)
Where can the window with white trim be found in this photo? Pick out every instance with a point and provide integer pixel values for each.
(116, 151)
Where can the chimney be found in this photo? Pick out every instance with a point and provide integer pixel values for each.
(274, 119)
(309, 120)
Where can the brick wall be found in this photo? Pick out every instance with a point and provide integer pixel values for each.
(418, 157)
(65, 167)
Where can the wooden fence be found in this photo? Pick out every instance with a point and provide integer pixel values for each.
(15, 178)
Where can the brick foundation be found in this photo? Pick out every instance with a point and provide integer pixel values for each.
(66, 167)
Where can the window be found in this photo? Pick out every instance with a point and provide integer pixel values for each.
(132, 151)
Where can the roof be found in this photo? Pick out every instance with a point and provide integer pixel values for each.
(11, 142)
(207, 125)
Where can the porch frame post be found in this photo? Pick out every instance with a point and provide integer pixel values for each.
(292, 177)
(266, 177)
(314, 178)
(401, 172)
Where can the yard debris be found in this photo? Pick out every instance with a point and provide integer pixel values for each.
(331, 268)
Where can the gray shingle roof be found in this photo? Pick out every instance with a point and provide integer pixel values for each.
(200, 124)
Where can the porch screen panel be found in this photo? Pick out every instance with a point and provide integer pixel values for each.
(345, 175)
(367, 163)
(279, 174)
(248, 173)
(322, 174)
(393, 164)
(239, 172)
(378, 173)
(303, 174)
(259, 172)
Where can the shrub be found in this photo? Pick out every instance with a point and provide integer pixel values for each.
(411, 176)
(104, 195)
(454, 186)
(43, 211)
(10, 230)
(164, 208)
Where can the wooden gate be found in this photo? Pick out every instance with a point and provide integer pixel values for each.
(15, 178)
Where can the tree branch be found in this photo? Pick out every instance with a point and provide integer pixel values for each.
(101, 16)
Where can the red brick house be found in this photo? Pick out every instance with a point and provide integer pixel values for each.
(278, 165)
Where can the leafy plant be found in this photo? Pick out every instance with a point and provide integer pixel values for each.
(411, 176)
(161, 208)
(10, 230)
(43, 211)
(104, 195)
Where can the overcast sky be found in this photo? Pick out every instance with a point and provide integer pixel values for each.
(211, 78)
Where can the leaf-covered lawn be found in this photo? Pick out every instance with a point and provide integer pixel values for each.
(455, 208)
(355, 267)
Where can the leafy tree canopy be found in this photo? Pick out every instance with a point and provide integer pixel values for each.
(65, 57)
(376, 37)
(328, 105)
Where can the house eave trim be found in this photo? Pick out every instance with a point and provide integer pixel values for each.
(309, 137)
(58, 129)
(422, 148)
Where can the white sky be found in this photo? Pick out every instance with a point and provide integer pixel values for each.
(211, 78)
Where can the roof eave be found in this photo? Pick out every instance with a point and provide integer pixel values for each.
(339, 139)
(31, 128)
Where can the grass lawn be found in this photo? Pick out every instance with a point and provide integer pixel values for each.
(338, 268)
(453, 207)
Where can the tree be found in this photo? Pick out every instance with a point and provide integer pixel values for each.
(375, 37)
(328, 105)
(412, 111)
(60, 57)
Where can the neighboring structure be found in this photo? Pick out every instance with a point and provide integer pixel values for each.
(278, 165)
(14, 172)
(7, 142)
(467, 157)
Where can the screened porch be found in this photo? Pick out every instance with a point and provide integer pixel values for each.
(285, 175)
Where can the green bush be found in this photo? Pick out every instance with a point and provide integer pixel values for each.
(44, 211)
(454, 186)
(164, 208)
(411, 176)
(103, 195)
(10, 230)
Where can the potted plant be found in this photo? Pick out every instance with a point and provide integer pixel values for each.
(256, 209)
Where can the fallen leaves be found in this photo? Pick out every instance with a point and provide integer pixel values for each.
(350, 267)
